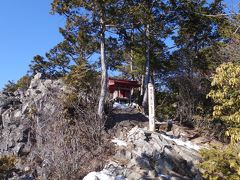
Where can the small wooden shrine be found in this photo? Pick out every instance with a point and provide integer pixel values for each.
(121, 89)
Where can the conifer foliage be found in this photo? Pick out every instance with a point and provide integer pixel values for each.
(175, 44)
(97, 15)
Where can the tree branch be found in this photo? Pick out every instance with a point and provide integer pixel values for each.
(218, 15)
(236, 30)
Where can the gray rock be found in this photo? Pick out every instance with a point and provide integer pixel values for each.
(17, 149)
(154, 156)
(152, 174)
(21, 122)
(134, 176)
(6, 101)
(35, 81)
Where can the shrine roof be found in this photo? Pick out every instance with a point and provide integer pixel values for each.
(116, 81)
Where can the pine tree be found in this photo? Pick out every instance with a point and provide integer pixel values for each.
(95, 16)
(195, 33)
(59, 59)
(144, 26)
(56, 62)
(39, 65)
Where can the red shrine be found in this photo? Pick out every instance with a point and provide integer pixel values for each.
(121, 89)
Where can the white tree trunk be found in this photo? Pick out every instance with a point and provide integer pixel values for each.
(142, 86)
(147, 70)
(131, 54)
(104, 76)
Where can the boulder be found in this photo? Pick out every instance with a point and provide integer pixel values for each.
(148, 155)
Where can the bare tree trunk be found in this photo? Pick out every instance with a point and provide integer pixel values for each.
(152, 80)
(147, 70)
(142, 86)
(131, 54)
(131, 66)
(104, 77)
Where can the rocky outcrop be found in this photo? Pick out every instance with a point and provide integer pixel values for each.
(139, 153)
(145, 155)
(21, 122)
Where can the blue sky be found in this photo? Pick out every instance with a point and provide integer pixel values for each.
(27, 29)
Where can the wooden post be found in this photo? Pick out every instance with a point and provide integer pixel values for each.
(151, 107)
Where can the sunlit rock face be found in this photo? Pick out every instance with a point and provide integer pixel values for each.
(21, 122)
(138, 153)
(144, 155)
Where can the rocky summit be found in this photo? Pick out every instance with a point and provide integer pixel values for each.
(145, 155)
(21, 124)
(138, 153)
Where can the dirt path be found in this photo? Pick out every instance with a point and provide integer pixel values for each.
(126, 116)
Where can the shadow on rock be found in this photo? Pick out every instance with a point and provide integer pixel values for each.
(166, 166)
(132, 117)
